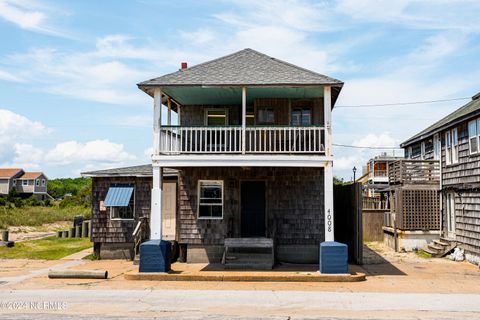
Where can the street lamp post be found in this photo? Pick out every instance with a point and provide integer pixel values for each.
(354, 171)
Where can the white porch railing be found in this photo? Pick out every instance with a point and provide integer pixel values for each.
(228, 139)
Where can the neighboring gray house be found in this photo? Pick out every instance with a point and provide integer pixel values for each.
(25, 183)
(8, 179)
(454, 142)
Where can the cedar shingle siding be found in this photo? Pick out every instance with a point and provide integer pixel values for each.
(294, 204)
(105, 230)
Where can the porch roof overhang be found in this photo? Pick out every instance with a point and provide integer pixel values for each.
(232, 94)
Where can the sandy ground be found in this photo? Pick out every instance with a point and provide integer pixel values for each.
(23, 233)
(388, 272)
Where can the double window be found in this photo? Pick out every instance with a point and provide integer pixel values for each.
(216, 117)
(473, 136)
(301, 116)
(210, 199)
(265, 115)
(451, 146)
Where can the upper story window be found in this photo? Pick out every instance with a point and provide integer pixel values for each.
(473, 136)
(265, 115)
(210, 199)
(451, 146)
(216, 117)
(14, 182)
(43, 182)
(301, 116)
(24, 182)
(37, 183)
(416, 150)
(250, 116)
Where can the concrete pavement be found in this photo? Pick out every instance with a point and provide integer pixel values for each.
(204, 304)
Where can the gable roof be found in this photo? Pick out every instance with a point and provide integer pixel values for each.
(30, 175)
(242, 68)
(9, 172)
(470, 109)
(134, 171)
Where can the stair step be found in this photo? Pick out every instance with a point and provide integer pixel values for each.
(436, 247)
(441, 243)
(430, 251)
(448, 240)
(248, 266)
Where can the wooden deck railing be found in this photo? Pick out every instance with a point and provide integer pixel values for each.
(414, 172)
(228, 139)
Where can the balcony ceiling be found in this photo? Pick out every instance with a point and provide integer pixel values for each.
(197, 95)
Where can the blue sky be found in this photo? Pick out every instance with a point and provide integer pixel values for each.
(68, 69)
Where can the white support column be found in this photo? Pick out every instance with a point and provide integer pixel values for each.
(156, 204)
(244, 117)
(328, 172)
(169, 115)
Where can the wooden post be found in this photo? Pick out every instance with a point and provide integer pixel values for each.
(78, 231)
(59, 234)
(71, 233)
(328, 170)
(156, 209)
(5, 235)
(156, 203)
(169, 114)
(85, 229)
(157, 120)
(64, 234)
(244, 117)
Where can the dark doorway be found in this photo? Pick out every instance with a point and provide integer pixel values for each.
(347, 205)
(253, 208)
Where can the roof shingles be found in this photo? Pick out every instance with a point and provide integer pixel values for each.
(471, 108)
(245, 67)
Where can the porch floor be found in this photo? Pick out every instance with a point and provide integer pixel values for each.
(217, 272)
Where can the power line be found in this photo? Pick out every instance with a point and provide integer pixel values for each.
(400, 103)
(359, 147)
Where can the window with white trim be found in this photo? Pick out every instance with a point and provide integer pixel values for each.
(37, 182)
(473, 136)
(24, 182)
(210, 199)
(14, 182)
(43, 182)
(451, 146)
(124, 212)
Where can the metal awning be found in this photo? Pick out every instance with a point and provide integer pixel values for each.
(118, 195)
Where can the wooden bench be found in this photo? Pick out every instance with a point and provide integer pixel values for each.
(252, 243)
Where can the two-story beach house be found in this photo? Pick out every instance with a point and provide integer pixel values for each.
(454, 142)
(26, 184)
(249, 163)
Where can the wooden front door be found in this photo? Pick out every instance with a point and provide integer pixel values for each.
(451, 215)
(253, 208)
(169, 210)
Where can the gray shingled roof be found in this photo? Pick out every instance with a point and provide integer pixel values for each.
(245, 67)
(471, 109)
(135, 171)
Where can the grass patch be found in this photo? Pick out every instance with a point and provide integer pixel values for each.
(91, 257)
(51, 248)
(37, 216)
(423, 254)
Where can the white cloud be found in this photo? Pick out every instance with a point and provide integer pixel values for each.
(70, 152)
(14, 127)
(28, 15)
